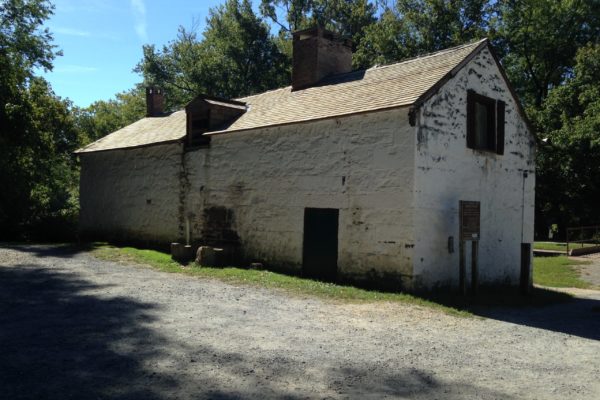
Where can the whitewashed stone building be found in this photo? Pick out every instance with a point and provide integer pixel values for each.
(342, 175)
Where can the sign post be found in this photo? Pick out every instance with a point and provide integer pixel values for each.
(469, 216)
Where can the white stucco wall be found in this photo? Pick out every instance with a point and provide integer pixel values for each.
(397, 188)
(361, 165)
(131, 194)
(447, 171)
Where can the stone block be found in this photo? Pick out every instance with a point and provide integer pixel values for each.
(210, 256)
(181, 252)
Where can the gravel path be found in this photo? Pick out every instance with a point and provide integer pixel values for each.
(591, 272)
(72, 326)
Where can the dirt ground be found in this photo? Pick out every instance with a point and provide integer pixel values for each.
(74, 327)
(590, 272)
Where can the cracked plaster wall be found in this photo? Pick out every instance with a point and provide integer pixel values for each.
(131, 194)
(446, 171)
(361, 165)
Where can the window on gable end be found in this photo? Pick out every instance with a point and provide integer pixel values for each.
(485, 123)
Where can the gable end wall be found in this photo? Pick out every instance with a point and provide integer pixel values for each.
(131, 194)
(446, 171)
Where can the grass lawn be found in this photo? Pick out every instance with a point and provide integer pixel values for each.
(550, 246)
(558, 246)
(557, 271)
(267, 279)
(449, 303)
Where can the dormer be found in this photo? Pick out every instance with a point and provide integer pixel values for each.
(207, 113)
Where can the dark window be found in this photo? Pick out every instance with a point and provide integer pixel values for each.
(199, 124)
(485, 123)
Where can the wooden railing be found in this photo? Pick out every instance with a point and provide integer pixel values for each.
(582, 237)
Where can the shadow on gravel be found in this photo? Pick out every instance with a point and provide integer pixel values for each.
(253, 375)
(578, 317)
(544, 309)
(60, 340)
(57, 342)
(409, 383)
(60, 250)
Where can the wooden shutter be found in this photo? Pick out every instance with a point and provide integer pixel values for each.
(500, 106)
(470, 119)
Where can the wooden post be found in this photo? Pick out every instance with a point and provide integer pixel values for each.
(468, 215)
(474, 267)
(525, 268)
(463, 269)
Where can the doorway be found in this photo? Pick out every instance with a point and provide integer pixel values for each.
(320, 249)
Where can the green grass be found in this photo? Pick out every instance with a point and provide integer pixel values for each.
(550, 246)
(557, 271)
(267, 279)
(449, 303)
(558, 246)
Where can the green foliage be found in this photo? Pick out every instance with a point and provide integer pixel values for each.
(349, 18)
(104, 117)
(569, 159)
(538, 40)
(297, 13)
(37, 135)
(237, 56)
(412, 27)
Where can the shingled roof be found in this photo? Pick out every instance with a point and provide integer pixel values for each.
(378, 88)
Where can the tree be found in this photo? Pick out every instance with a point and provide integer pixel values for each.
(237, 56)
(104, 117)
(538, 41)
(37, 135)
(568, 163)
(544, 45)
(348, 18)
(412, 27)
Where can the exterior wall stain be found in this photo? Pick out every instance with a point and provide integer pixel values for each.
(396, 187)
(446, 171)
(269, 176)
(184, 188)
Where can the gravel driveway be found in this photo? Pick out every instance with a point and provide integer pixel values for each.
(72, 326)
(590, 272)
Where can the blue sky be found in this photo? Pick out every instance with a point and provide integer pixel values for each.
(102, 41)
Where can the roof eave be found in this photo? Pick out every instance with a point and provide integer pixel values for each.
(169, 141)
(223, 132)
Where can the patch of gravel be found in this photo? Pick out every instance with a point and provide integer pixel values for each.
(590, 272)
(72, 326)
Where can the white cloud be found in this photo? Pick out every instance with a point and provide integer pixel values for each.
(75, 69)
(71, 32)
(139, 16)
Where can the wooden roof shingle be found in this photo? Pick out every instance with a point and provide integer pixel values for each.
(377, 88)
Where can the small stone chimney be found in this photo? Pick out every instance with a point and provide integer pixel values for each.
(155, 102)
(318, 53)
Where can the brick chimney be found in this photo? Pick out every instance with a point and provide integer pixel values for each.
(155, 102)
(318, 53)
